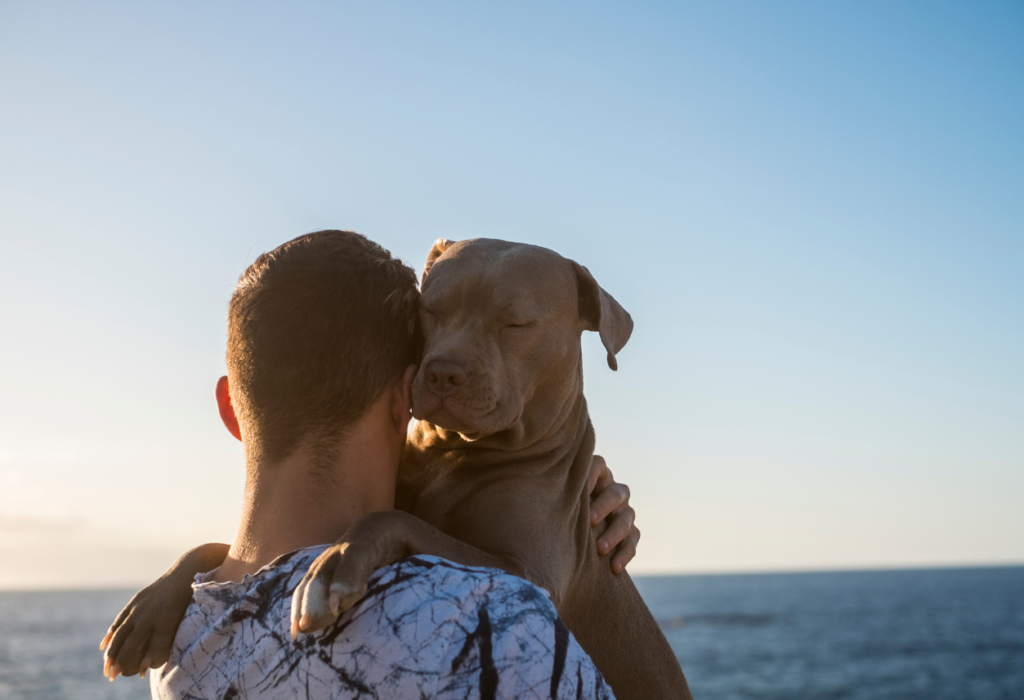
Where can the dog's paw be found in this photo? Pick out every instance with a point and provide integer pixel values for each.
(141, 637)
(334, 583)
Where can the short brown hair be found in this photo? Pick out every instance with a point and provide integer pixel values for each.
(317, 328)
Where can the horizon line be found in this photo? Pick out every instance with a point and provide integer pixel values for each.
(837, 569)
(73, 588)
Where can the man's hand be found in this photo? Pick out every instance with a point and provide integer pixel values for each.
(142, 635)
(609, 499)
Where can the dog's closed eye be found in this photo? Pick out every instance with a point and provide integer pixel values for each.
(519, 324)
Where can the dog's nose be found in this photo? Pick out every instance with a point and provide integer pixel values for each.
(445, 377)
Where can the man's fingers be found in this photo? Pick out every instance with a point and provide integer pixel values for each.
(612, 503)
(599, 474)
(626, 551)
(617, 531)
(608, 501)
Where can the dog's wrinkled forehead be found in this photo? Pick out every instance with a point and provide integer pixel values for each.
(484, 278)
(498, 277)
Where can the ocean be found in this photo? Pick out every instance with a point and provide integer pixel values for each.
(949, 633)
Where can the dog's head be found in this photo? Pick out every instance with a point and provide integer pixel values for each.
(502, 323)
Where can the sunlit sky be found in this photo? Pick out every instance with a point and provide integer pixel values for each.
(813, 211)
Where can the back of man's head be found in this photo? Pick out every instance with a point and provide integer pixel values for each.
(317, 328)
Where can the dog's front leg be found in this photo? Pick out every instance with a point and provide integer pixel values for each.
(337, 579)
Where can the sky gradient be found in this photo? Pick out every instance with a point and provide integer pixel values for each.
(814, 213)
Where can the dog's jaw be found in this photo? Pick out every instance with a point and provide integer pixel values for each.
(479, 426)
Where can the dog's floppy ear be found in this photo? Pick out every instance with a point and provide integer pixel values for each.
(598, 311)
(440, 245)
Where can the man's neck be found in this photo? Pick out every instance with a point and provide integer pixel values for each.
(301, 502)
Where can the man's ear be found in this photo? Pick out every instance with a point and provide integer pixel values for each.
(227, 411)
(598, 311)
(401, 400)
(440, 245)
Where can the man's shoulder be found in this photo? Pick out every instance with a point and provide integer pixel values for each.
(417, 579)
(424, 622)
(436, 578)
(430, 594)
(420, 578)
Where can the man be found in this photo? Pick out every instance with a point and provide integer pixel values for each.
(322, 337)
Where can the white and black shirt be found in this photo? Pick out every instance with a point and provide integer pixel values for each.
(427, 628)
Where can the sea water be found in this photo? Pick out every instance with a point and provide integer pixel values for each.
(952, 633)
(879, 635)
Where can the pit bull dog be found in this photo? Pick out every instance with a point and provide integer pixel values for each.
(495, 471)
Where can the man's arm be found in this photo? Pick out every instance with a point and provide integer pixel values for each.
(142, 635)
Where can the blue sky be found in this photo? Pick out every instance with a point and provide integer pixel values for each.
(813, 212)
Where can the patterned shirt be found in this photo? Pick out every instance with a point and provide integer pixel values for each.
(426, 628)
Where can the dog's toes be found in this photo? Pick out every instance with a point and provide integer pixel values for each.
(316, 610)
(344, 596)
